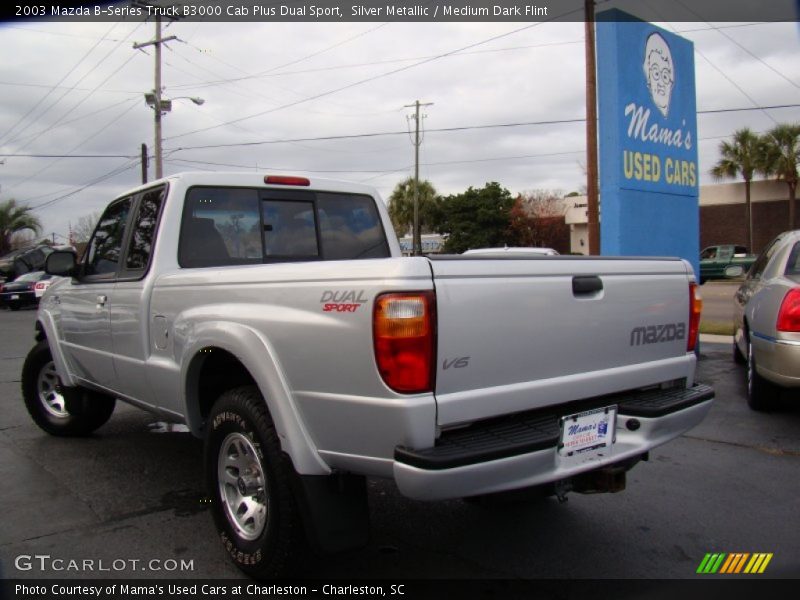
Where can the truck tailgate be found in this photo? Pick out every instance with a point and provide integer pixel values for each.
(519, 334)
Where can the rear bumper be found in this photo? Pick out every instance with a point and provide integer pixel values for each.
(22, 299)
(522, 452)
(778, 360)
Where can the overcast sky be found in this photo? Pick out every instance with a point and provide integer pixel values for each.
(522, 73)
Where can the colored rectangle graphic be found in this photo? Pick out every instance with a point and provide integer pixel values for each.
(734, 563)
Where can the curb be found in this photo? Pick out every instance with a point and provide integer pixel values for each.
(716, 339)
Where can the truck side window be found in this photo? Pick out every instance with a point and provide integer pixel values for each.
(105, 247)
(793, 264)
(144, 229)
(708, 253)
(350, 227)
(761, 262)
(221, 226)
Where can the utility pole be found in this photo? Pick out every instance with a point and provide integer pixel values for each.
(144, 163)
(157, 104)
(157, 90)
(592, 193)
(417, 236)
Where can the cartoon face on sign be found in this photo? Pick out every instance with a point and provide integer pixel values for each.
(659, 71)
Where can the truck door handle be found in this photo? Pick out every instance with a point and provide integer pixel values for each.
(101, 300)
(586, 285)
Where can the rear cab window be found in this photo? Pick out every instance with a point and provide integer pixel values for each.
(230, 226)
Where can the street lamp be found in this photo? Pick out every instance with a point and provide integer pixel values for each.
(162, 106)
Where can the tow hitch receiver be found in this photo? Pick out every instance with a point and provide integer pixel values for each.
(599, 481)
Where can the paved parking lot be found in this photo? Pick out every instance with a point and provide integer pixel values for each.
(134, 492)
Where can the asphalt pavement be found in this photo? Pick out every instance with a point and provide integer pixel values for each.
(132, 496)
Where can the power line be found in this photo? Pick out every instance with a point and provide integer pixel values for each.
(379, 76)
(724, 110)
(244, 91)
(241, 91)
(369, 135)
(716, 68)
(75, 89)
(426, 164)
(74, 35)
(94, 135)
(68, 155)
(389, 61)
(60, 81)
(85, 98)
(270, 73)
(113, 173)
(262, 167)
(248, 76)
(380, 173)
(84, 116)
(758, 58)
(375, 134)
(445, 129)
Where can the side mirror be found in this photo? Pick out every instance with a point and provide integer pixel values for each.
(62, 263)
(734, 272)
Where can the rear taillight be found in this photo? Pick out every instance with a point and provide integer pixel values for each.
(695, 309)
(403, 334)
(789, 314)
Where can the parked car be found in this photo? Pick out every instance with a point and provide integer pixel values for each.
(715, 259)
(519, 251)
(767, 321)
(27, 260)
(41, 286)
(21, 292)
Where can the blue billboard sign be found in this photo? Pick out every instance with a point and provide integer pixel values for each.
(649, 171)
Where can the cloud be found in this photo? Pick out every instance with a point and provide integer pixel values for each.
(533, 75)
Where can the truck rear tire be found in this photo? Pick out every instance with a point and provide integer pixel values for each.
(249, 481)
(57, 409)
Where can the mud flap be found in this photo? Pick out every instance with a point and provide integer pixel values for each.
(334, 511)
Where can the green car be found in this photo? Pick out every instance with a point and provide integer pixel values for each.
(715, 259)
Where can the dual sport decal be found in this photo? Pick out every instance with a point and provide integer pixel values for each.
(342, 301)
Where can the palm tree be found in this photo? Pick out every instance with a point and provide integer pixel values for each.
(401, 205)
(13, 219)
(782, 158)
(740, 156)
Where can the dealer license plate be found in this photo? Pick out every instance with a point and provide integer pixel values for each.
(589, 433)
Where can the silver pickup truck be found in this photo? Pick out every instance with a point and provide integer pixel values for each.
(276, 317)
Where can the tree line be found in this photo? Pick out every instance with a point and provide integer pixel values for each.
(486, 217)
(775, 153)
